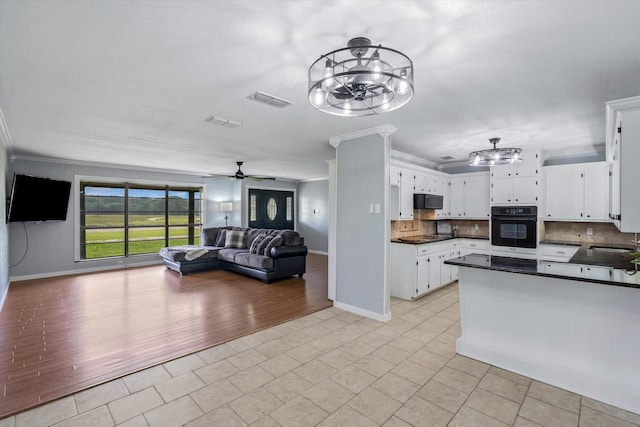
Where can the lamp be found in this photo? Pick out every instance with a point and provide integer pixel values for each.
(347, 82)
(495, 156)
(226, 207)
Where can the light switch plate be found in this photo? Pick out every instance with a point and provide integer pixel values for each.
(589, 231)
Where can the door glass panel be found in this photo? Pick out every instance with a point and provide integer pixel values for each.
(272, 208)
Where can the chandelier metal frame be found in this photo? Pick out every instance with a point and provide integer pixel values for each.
(495, 156)
(360, 80)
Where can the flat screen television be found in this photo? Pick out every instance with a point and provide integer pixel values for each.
(38, 199)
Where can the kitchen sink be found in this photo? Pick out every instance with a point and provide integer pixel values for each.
(611, 249)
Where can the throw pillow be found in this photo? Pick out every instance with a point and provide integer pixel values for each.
(235, 239)
(256, 242)
(275, 242)
(263, 244)
(222, 238)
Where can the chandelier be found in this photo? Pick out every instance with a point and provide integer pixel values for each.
(361, 80)
(495, 156)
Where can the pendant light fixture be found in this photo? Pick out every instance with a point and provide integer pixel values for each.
(495, 155)
(361, 80)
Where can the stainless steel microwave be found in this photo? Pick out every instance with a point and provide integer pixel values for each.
(427, 201)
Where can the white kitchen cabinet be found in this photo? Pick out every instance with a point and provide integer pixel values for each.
(420, 182)
(623, 151)
(518, 190)
(514, 252)
(563, 269)
(529, 166)
(457, 197)
(560, 253)
(401, 196)
(470, 196)
(517, 183)
(416, 270)
(578, 192)
(474, 246)
(597, 272)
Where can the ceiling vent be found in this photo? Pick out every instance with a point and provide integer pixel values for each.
(448, 158)
(268, 99)
(222, 121)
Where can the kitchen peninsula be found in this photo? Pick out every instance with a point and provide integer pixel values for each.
(574, 332)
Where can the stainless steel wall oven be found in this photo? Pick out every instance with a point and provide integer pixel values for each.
(514, 226)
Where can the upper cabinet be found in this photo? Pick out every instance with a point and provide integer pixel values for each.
(517, 183)
(470, 196)
(401, 193)
(623, 152)
(578, 192)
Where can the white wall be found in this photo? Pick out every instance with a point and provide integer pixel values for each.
(362, 238)
(313, 214)
(4, 232)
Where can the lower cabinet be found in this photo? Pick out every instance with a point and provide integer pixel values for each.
(419, 269)
(579, 270)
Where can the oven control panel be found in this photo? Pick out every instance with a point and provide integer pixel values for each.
(514, 211)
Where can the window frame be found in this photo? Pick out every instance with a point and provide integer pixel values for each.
(135, 184)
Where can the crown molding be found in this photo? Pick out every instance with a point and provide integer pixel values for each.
(382, 130)
(414, 160)
(5, 136)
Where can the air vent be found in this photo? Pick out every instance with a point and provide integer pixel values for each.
(223, 121)
(268, 99)
(448, 158)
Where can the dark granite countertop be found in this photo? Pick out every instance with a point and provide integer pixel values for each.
(420, 240)
(619, 275)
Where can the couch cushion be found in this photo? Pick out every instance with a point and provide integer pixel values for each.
(275, 242)
(289, 237)
(222, 238)
(229, 254)
(209, 236)
(254, 260)
(263, 245)
(235, 239)
(256, 243)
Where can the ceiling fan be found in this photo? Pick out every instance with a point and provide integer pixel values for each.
(241, 175)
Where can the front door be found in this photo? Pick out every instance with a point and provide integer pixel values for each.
(271, 209)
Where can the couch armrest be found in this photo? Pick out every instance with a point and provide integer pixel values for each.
(288, 251)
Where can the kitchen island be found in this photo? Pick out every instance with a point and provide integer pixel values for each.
(574, 332)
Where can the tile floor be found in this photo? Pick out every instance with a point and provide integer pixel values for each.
(332, 368)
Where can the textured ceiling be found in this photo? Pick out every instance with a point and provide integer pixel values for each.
(131, 83)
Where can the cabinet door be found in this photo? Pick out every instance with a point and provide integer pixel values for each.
(597, 272)
(476, 197)
(445, 269)
(564, 190)
(422, 282)
(502, 191)
(419, 182)
(596, 193)
(563, 269)
(457, 198)
(442, 187)
(434, 271)
(394, 176)
(406, 195)
(525, 190)
(530, 164)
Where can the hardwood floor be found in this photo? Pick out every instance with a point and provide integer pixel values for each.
(64, 334)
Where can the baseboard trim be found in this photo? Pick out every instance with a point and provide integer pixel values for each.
(362, 312)
(81, 271)
(318, 252)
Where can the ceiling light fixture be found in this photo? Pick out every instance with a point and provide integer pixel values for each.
(495, 156)
(347, 82)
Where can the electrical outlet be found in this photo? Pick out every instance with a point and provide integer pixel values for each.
(476, 227)
(589, 231)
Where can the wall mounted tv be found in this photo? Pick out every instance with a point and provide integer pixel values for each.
(38, 199)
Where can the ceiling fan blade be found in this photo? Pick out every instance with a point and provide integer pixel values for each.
(260, 178)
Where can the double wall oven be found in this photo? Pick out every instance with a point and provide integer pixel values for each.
(514, 226)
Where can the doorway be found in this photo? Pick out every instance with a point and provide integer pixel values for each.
(271, 209)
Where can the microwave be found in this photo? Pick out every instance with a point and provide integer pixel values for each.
(427, 201)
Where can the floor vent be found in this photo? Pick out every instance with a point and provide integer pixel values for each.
(268, 99)
(222, 121)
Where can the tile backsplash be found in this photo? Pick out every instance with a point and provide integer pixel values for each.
(419, 227)
(577, 232)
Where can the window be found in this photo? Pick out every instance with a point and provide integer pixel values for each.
(126, 219)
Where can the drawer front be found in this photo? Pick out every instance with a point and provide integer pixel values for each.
(422, 250)
(561, 252)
